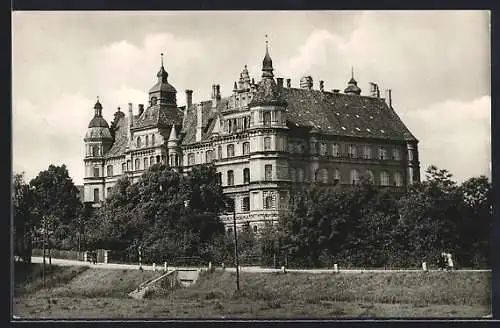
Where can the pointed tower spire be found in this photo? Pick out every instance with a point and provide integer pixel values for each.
(98, 108)
(267, 64)
(173, 134)
(161, 59)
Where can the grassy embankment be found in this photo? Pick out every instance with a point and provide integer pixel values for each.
(99, 293)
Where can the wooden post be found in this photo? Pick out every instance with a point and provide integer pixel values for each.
(236, 247)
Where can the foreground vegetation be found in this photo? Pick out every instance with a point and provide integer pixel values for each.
(98, 293)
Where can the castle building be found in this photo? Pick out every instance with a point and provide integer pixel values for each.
(264, 138)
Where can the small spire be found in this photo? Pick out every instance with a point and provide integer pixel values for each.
(352, 72)
(161, 59)
(267, 41)
(97, 98)
(267, 64)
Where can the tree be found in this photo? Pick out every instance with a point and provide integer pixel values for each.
(25, 219)
(57, 201)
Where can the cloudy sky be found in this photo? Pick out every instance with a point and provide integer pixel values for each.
(437, 63)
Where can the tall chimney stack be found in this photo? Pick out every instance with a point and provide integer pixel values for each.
(217, 91)
(189, 98)
(279, 81)
(141, 109)
(389, 97)
(130, 114)
(321, 86)
(288, 83)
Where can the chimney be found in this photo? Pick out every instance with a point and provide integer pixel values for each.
(306, 82)
(199, 121)
(130, 114)
(141, 108)
(374, 90)
(189, 98)
(213, 92)
(217, 91)
(389, 97)
(279, 81)
(288, 83)
(335, 90)
(321, 86)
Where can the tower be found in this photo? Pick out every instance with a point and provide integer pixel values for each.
(98, 140)
(174, 151)
(352, 86)
(163, 93)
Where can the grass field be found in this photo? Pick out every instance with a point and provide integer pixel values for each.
(101, 293)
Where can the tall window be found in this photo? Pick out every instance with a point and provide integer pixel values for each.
(158, 158)
(335, 150)
(95, 151)
(230, 150)
(354, 176)
(137, 164)
(246, 175)
(398, 181)
(382, 153)
(292, 174)
(219, 152)
(109, 170)
(230, 178)
(324, 175)
(218, 176)
(96, 172)
(246, 148)
(323, 150)
(152, 160)
(124, 167)
(153, 140)
(268, 202)
(317, 175)
(367, 152)
(267, 143)
(96, 195)
(268, 168)
(108, 192)
(129, 165)
(146, 162)
(336, 175)
(352, 151)
(396, 154)
(369, 176)
(246, 204)
(300, 174)
(384, 178)
(267, 118)
(209, 156)
(139, 143)
(147, 141)
(191, 159)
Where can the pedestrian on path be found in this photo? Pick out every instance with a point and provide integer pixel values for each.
(450, 261)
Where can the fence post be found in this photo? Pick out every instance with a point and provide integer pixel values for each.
(209, 265)
(165, 266)
(335, 268)
(283, 269)
(424, 266)
(154, 266)
(105, 256)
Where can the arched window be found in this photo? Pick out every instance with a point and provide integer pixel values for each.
(398, 181)
(137, 164)
(230, 178)
(96, 195)
(382, 153)
(153, 140)
(139, 144)
(246, 175)
(335, 150)
(292, 174)
(109, 170)
(246, 204)
(146, 163)
(267, 118)
(300, 174)
(191, 159)
(124, 167)
(267, 143)
(384, 178)
(230, 150)
(147, 141)
(354, 176)
(246, 148)
(367, 152)
(336, 175)
(209, 156)
(219, 152)
(268, 171)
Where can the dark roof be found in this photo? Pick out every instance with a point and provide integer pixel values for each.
(159, 115)
(267, 94)
(209, 118)
(98, 121)
(121, 138)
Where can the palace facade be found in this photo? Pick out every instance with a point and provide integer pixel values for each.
(264, 138)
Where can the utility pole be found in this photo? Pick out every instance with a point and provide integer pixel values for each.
(236, 248)
(43, 247)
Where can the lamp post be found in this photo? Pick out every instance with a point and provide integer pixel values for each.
(236, 247)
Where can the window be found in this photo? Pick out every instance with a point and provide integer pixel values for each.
(246, 204)
(209, 156)
(382, 153)
(230, 178)
(218, 176)
(335, 150)
(129, 165)
(398, 181)
(124, 167)
(246, 175)
(152, 160)
(191, 159)
(137, 164)
(323, 150)
(147, 141)
(267, 143)
(146, 163)
(95, 151)
(317, 176)
(267, 118)
(109, 170)
(230, 125)
(396, 154)
(292, 174)
(255, 229)
(246, 148)
(139, 144)
(230, 150)
(367, 153)
(219, 152)
(229, 231)
(153, 140)
(336, 176)
(108, 191)
(96, 172)
(354, 176)
(384, 178)
(300, 175)
(268, 172)
(352, 151)
(369, 176)
(324, 176)
(96, 195)
(158, 158)
(268, 202)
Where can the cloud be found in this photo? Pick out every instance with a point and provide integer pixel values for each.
(454, 135)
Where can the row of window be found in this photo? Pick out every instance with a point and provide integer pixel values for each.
(146, 141)
(321, 175)
(209, 154)
(237, 124)
(353, 151)
(246, 175)
(138, 165)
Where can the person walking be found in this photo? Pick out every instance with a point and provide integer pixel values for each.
(450, 261)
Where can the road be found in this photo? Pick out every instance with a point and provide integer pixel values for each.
(242, 269)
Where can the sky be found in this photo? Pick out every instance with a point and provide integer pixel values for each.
(437, 64)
